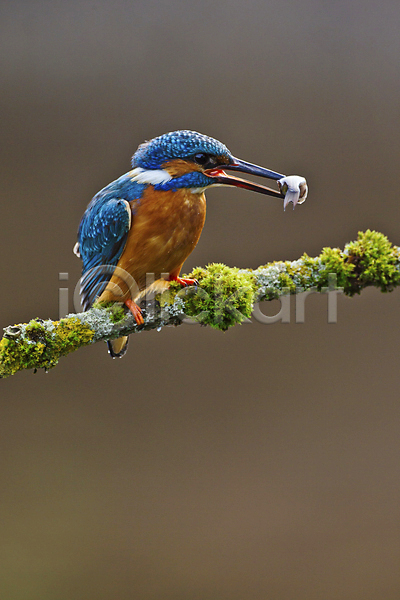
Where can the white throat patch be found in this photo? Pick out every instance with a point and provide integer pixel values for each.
(151, 176)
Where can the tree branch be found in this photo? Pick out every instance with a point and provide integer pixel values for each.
(225, 296)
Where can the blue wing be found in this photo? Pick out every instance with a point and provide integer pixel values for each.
(102, 236)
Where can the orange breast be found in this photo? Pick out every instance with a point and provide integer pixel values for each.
(165, 229)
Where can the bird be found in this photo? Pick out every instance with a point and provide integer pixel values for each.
(150, 219)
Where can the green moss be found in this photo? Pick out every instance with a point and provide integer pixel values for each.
(116, 310)
(175, 287)
(117, 313)
(307, 268)
(286, 280)
(102, 304)
(70, 334)
(40, 345)
(333, 261)
(16, 355)
(224, 296)
(374, 260)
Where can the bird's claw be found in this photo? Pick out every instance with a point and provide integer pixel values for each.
(294, 188)
(185, 281)
(135, 310)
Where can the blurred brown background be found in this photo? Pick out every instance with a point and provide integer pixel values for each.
(260, 463)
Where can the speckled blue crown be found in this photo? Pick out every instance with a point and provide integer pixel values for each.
(176, 144)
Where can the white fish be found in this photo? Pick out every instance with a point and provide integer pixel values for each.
(294, 188)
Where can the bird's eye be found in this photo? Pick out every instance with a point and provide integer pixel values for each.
(201, 158)
(205, 160)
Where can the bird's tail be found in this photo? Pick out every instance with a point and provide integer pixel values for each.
(117, 348)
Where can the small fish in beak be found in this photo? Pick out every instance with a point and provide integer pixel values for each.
(294, 188)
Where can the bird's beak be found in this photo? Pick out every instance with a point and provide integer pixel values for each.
(222, 178)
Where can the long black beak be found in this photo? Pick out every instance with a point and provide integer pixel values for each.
(221, 178)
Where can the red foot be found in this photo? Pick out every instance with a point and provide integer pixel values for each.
(183, 281)
(135, 310)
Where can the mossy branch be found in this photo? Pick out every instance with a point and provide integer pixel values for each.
(225, 296)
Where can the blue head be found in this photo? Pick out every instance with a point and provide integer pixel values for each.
(183, 145)
(187, 159)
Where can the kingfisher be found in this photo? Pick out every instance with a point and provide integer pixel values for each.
(149, 220)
